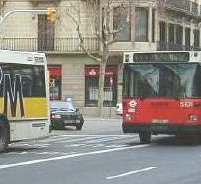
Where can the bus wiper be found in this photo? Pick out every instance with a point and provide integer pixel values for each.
(145, 97)
(175, 97)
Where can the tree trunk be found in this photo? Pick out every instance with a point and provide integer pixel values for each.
(103, 64)
(101, 88)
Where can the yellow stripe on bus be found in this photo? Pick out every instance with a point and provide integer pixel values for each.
(33, 108)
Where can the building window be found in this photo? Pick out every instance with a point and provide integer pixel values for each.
(46, 31)
(141, 24)
(196, 33)
(163, 32)
(121, 24)
(55, 82)
(187, 38)
(194, 7)
(91, 86)
(171, 33)
(179, 34)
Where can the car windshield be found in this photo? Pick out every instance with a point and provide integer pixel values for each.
(61, 105)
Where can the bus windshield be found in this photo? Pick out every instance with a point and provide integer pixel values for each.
(169, 80)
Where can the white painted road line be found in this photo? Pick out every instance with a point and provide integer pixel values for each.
(31, 162)
(77, 139)
(99, 135)
(104, 139)
(131, 172)
(68, 138)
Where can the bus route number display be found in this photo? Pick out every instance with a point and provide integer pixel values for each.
(161, 57)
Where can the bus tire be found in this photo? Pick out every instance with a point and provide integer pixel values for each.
(145, 137)
(4, 134)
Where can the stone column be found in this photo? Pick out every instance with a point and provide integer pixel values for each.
(132, 23)
(167, 31)
(199, 35)
(156, 29)
(191, 34)
(150, 25)
(184, 35)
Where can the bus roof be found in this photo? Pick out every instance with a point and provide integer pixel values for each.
(162, 56)
(7, 56)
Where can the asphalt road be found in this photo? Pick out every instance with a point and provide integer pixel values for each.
(101, 154)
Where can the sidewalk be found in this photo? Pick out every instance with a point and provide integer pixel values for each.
(97, 125)
(93, 118)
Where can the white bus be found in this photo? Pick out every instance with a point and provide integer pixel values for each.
(24, 97)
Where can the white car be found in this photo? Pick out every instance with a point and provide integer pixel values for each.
(119, 109)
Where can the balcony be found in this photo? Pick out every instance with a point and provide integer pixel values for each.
(44, 1)
(180, 4)
(162, 46)
(183, 6)
(56, 45)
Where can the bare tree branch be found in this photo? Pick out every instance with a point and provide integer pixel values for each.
(105, 32)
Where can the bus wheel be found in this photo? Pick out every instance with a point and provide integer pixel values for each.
(145, 137)
(3, 137)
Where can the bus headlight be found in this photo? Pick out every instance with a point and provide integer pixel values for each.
(129, 117)
(193, 117)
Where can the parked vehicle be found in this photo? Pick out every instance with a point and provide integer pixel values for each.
(63, 113)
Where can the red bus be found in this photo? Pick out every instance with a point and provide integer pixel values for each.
(161, 93)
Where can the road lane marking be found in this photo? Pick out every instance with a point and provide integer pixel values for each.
(40, 153)
(30, 145)
(100, 135)
(67, 138)
(104, 139)
(75, 140)
(131, 172)
(31, 162)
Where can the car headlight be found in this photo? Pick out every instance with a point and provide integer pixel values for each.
(56, 116)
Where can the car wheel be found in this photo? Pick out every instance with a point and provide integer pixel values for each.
(79, 127)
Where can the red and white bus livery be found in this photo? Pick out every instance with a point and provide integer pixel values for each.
(161, 93)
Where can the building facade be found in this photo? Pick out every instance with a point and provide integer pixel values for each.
(144, 25)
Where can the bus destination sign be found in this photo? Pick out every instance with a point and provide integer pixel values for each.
(161, 57)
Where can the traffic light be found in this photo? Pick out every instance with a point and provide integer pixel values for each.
(51, 14)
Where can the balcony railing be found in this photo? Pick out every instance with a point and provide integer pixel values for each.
(162, 46)
(56, 45)
(180, 4)
(184, 6)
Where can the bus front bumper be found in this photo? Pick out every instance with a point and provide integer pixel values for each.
(161, 128)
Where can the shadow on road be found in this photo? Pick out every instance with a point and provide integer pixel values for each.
(187, 140)
(19, 149)
(180, 140)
